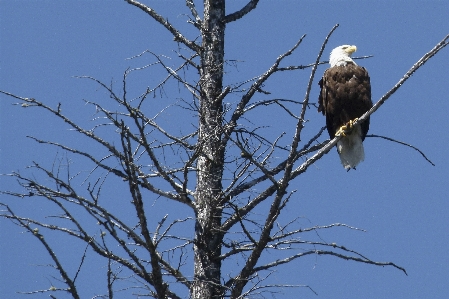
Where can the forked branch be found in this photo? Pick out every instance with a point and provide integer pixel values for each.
(176, 34)
(240, 109)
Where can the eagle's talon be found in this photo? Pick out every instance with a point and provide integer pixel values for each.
(346, 128)
(351, 123)
(341, 131)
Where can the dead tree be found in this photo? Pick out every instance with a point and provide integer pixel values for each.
(219, 170)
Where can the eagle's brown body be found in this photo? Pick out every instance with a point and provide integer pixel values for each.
(345, 95)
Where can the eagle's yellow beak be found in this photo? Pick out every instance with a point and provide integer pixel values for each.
(351, 49)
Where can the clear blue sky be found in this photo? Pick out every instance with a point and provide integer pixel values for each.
(395, 195)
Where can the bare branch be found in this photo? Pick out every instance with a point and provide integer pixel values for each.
(253, 161)
(193, 90)
(299, 125)
(104, 218)
(403, 143)
(242, 12)
(183, 196)
(279, 102)
(240, 110)
(301, 67)
(312, 76)
(192, 8)
(275, 209)
(136, 113)
(177, 35)
(71, 288)
(158, 282)
(31, 102)
(81, 263)
(307, 148)
(281, 236)
(327, 252)
(85, 154)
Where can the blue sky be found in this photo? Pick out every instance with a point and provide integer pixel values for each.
(395, 195)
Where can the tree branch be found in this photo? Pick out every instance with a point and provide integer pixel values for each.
(192, 8)
(177, 35)
(242, 12)
(299, 125)
(327, 252)
(158, 282)
(240, 109)
(403, 143)
(35, 232)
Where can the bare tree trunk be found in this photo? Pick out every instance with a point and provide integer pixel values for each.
(207, 245)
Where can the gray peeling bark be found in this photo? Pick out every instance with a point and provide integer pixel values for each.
(207, 245)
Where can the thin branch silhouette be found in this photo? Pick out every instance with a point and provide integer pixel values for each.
(403, 143)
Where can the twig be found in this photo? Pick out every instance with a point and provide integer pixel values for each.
(301, 67)
(177, 35)
(192, 8)
(327, 252)
(403, 143)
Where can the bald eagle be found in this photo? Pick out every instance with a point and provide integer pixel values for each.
(346, 95)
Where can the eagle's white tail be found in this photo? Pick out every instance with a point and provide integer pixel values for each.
(350, 149)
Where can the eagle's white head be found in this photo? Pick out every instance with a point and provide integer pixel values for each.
(342, 55)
